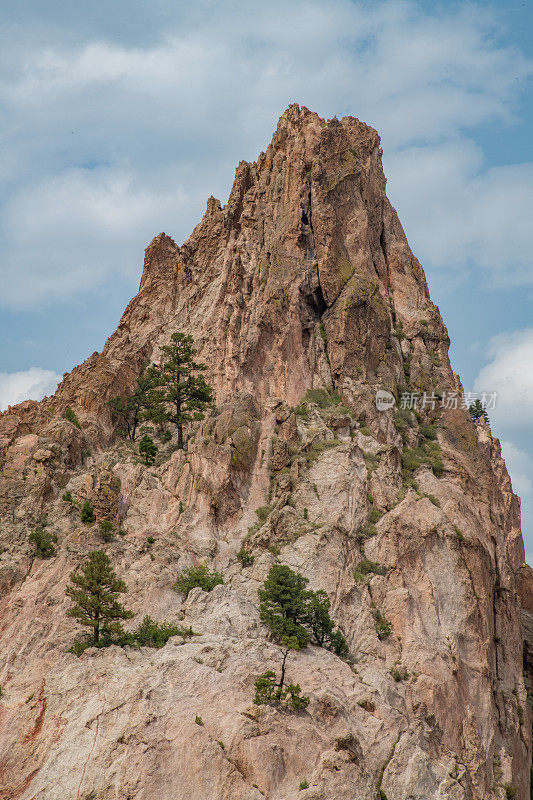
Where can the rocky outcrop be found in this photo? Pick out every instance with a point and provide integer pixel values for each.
(304, 299)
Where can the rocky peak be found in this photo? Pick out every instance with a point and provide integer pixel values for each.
(304, 299)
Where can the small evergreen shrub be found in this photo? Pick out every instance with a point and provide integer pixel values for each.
(367, 531)
(428, 452)
(268, 692)
(399, 674)
(200, 576)
(70, 416)
(150, 540)
(382, 625)
(148, 449)
(366, 567)
(87, 513)
(245, 557)
(316, 450)
(303, 785)
(199, 720)
(460, 534)
(43, 542)
(106, 530)
(67, 497)
(156, 634)
(323, 398)
(429, 432)
(263, 512)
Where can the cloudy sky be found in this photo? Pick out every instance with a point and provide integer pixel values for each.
(119, 119)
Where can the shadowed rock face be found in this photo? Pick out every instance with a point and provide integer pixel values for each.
(303, 281)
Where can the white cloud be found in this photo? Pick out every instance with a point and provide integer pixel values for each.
(510, 373)
(30, 384)
(108, 143)
(65, 234)
(460, 215)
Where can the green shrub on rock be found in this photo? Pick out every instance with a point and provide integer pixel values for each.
(71, 417)
(43, 542)
(365, 568)
(106, 530)
(155, 634)
(148, 449)
(268, 692)
(245, 557)
(87, 513)
(200, 576)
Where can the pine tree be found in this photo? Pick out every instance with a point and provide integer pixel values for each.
(44, 542)
(477, 410)
(148, 449)
(94, 590)
(296, 614)
(283, 604)
(134, 408)
(181, 394)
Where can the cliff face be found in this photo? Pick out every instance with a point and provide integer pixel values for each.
(303, 281)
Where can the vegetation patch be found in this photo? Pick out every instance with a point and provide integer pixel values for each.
(316, 449)
(87, 513)
(71, 417)
(428, 453)
(200, 576)
(382, 625)
(245, 557)
(270, 691)
(43, 542)
(292, 611)
(263, 512)
(367, 532)
(95, 590)
(399, 674)
(365, 568)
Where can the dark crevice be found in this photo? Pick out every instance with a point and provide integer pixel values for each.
(317, 303)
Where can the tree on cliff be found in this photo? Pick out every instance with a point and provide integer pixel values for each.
(148, 449)
(283, 605)
(181, 394)
(478, 410)
(133, 409)
(94, 590)
(296, 614)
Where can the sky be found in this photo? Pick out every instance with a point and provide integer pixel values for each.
(119, 120)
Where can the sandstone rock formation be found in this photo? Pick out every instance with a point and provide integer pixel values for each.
(303, 298)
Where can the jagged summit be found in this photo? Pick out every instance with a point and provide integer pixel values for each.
(303, 299)
(306, 238)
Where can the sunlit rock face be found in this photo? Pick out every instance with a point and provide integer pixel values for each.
(303, 299)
